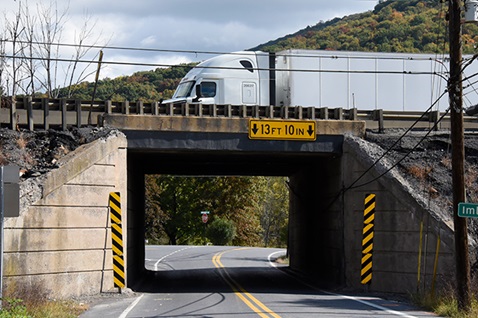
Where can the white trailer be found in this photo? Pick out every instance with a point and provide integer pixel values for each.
(364, 80)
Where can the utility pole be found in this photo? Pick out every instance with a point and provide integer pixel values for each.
(455, 91)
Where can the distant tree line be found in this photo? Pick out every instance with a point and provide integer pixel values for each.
(244, 211)
(393, 26)
(409, 26)
(146, 86)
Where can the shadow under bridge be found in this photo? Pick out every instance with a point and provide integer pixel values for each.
(313, 168)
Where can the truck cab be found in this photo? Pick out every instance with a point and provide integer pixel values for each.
(237, 78)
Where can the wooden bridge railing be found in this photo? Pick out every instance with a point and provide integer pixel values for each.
(43, 113)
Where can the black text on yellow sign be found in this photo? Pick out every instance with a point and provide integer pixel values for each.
(282, 129)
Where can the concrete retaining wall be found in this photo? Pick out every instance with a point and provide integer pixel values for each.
(400, 215)
(62, 239)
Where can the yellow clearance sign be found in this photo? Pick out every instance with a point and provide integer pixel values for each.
(304, 130)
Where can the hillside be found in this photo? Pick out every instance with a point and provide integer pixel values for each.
(393, 26)
(143, 86)
(410, 26)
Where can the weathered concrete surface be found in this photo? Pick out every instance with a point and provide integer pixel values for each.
(406, 228)
(214, 124)
(62, 239)
(326, 225)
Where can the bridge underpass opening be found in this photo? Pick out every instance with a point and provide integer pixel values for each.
(219, 210)
(315, 230)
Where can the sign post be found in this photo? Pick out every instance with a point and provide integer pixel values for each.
(205, 218)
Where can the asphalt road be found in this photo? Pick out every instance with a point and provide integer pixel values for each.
(216, 281)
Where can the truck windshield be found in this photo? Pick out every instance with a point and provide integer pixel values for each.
(184, 89)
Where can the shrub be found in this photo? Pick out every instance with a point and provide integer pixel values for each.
(13, 308)
(221, 231)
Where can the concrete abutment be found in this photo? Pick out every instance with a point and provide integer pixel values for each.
(62, 240)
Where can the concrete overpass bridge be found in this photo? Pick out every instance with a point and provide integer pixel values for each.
(62, 239)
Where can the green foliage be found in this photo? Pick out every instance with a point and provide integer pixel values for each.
(221, 231)
(13, 308)
(393, 26)
(275, 212)
(445, 304)
(146, 86)
(173, 206)
(30, 300)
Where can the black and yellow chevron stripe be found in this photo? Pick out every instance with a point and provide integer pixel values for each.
(117, 239)
(367, 241)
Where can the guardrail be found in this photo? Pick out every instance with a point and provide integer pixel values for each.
(43, 113)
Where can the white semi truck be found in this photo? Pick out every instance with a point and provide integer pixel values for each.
(364, 80)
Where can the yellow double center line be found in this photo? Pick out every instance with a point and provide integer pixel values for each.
(251, 301)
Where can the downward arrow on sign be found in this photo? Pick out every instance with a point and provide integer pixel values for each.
(310, 131)
(254, 129)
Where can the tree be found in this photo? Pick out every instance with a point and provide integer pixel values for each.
(274, 216)
(15, 30)
(238, 199)
(3, 66)
(173, 206)
(405, 26)
(32, 50)
(221, 231)
(50, 27)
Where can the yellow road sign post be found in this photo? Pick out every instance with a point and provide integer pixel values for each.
(303, 130)
(117, 240)
(367, 241)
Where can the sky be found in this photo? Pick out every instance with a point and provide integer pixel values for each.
(185, 25)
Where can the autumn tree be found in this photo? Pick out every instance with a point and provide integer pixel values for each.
(237, 199)
(275, 211)
(393, 26)
(173, 206)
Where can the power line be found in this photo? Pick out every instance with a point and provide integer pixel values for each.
(330, 54)
(224, 67)
(389, 149)
(405, 156)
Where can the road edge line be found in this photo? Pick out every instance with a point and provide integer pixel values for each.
(364, 302)
(131, 307)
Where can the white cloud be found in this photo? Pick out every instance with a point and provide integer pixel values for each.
(192, 25)
(149, 41)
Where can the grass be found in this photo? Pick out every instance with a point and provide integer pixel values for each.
(57, 309)
(282, 260)
(31, 301)
(419, 172)
(445, 305)
(35, 305)
(41, 309)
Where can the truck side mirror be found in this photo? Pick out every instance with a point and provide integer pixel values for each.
(198, 93)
